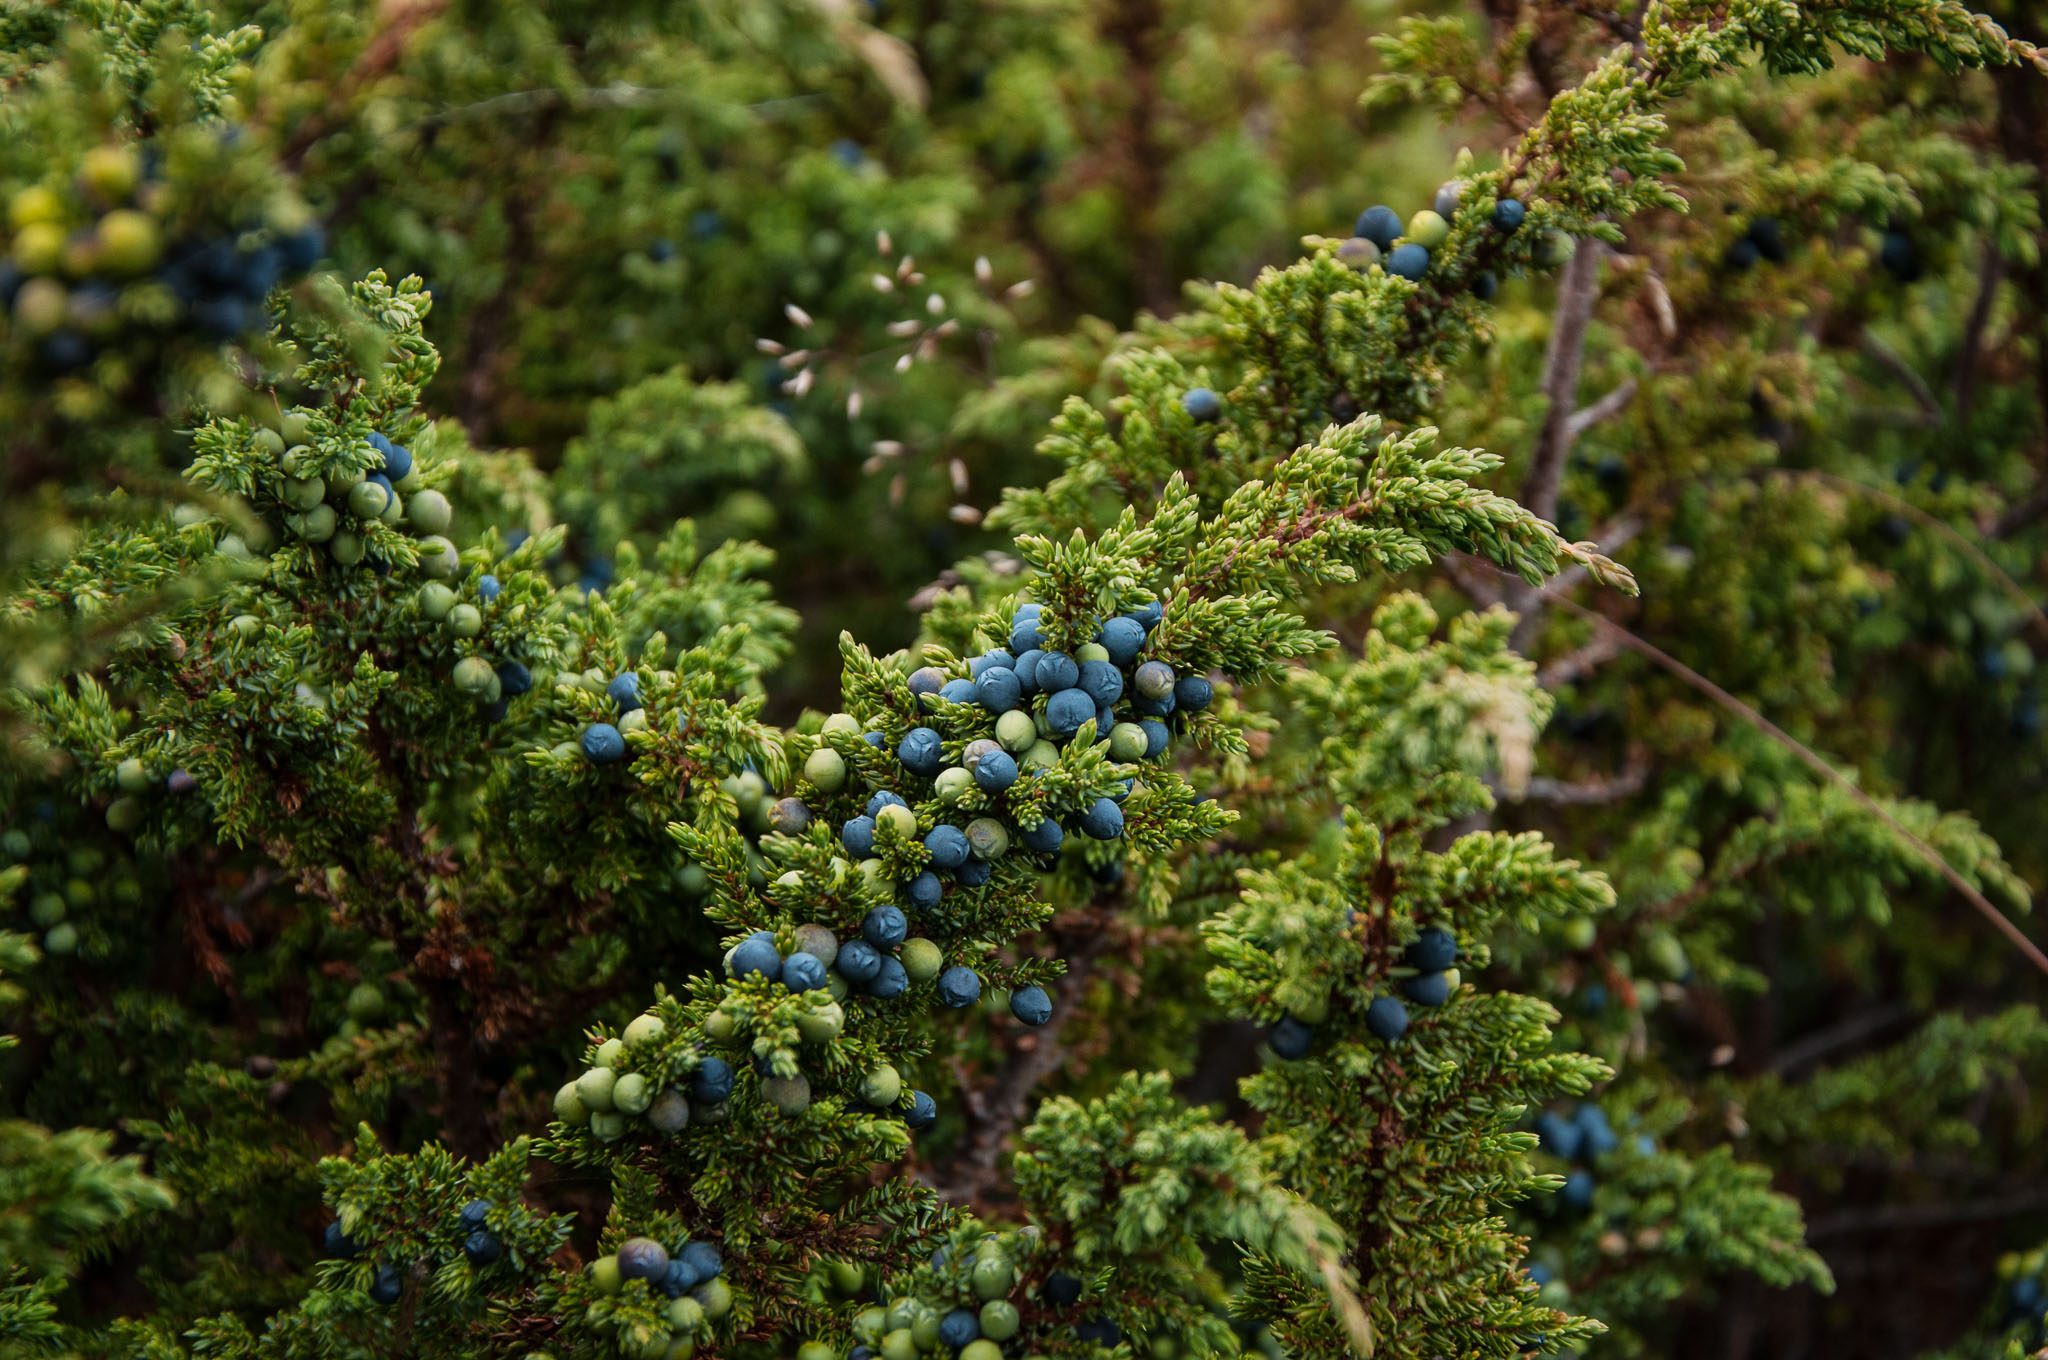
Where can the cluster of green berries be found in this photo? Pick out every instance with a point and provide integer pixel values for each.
(60, 885)
(87, 259)
(1380, 240)
(135, 783)
(609, 1095)
(966, 1305)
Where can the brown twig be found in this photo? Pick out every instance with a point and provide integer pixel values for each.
(1895, 363)
(1578, 288)
(1996, 918)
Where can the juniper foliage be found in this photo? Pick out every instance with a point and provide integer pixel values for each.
(427, 855)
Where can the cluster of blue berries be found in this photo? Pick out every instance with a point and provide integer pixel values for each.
(2025, 1303)
(1899, 257)
(480, 1247)
(689, 1278)
(1762, 239)
(387, 1282)
(1584, 1136)
(73, 251)
(1380, 240)
(1386, 1019)
(1041, 699)
(604, 743)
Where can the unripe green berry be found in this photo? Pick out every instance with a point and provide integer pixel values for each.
(438, 558)
(132, 776)
(594, 1089)
(999, 1319)
(643, 1030)
(993, 1278)
(900, 817)
(465, 620)
(473, 675)
(604, 1273)
(899, 1345)
(882, 1086)
(1090, 651)
(365, 1002)
(429, 512)
(631, 1094)
(1042, 755)
(569, 1106)
(303, 493)
(988, 838)
(715, 1296)
(125, 814)
(47, 909)
(719, 1027)
(826, 769)
(953, 784)
(686, 1314)
(816, 1350)
(346, 547)
(316, 525)
(790, 1096)
(920, 959)
(435, 601)
(1016, 730)
(981, 1348)
(1127, 742)
(61, 938)
(610, 1051)
(636, 721)
(870, 1323)
(815, 940)
(822, 1025)
(1428, 228)
(608, 1126)
(393, 511)
(367, 500)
